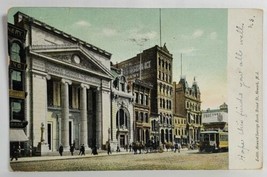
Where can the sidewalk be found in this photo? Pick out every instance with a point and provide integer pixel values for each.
(67, 155)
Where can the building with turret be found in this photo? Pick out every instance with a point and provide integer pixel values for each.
(187, 106)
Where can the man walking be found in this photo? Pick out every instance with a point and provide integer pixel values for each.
(14, 153)
(72, 149)
(60, 150)
(109, 149)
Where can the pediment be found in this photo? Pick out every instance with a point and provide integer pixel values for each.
(76, 58)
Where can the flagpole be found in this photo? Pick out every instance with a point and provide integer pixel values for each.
(160, 26)
(181, 65)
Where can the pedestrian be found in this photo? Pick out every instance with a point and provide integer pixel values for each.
(60, 150)
(130, 147)
(19, 151)
(179, 147)
(14, 153)
(80, 153)
(109, 149)
(82, 150)
(118, 149)
(30, 149)
(71, 149)
(175, 147)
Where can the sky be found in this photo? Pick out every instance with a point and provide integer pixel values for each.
(200, 35)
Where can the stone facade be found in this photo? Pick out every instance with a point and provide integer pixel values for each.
(68, 86)
(121, 135)
(187, 104)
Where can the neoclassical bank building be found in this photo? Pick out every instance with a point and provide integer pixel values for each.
(68, 85)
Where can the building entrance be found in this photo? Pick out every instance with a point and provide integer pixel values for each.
(122, 140)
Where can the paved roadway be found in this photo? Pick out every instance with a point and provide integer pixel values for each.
(187, 159)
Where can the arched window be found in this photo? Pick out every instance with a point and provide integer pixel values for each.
(121, 119)
(15, 52)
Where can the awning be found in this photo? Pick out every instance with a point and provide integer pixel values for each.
(16, 134)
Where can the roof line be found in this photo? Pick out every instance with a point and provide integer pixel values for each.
(66, 35)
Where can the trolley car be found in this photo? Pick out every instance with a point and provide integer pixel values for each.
(213, 141)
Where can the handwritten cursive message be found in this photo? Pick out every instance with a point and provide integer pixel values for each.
(245, 31)
(244, 88)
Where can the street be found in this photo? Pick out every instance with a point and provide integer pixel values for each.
(186, 160)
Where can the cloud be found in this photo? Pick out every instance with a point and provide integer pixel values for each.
(213, 36)
(82, 23)
(109, 32)
(196, 34)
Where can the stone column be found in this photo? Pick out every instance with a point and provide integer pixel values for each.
(65, 113)
(83, 123)
(98, 118)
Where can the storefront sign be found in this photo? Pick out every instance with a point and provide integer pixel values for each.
(17, 94)
(16, 32)
(16, 65)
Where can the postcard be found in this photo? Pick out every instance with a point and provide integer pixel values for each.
(112, 89)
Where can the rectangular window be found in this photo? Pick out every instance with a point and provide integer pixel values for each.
(136, 97)
(17, 109)
(142, 116)
(142, 98)
(146, 98)
(16, 82)
(136, 115)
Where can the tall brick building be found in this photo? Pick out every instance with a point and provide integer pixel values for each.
(156, 68)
